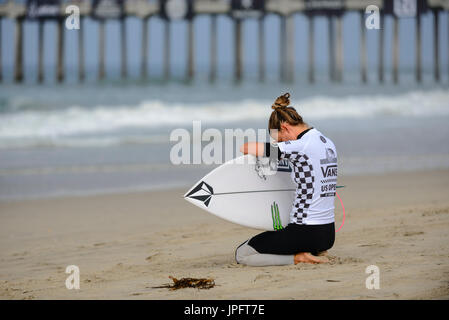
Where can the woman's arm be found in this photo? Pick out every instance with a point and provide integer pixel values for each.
(254, 148)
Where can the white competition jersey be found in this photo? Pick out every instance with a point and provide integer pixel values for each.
(313, 158)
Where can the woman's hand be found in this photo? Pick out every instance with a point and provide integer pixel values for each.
(254, 148)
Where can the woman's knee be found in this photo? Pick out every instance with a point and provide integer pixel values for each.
(243, 252)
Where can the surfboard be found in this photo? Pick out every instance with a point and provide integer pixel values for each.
(249, 191)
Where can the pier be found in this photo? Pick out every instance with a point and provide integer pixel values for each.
(237, 10)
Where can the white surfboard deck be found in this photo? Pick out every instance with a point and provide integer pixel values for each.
(248, 192)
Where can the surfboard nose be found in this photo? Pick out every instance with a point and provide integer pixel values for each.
(201, 192)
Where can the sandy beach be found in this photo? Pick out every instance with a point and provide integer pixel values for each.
(106, 123)
(126, 244)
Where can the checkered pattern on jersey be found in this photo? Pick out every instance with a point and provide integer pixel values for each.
(304, 177)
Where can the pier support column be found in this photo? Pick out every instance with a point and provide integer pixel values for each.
(331, 37)
(363, 68)
(123, 42)
(40, 51)
(238, 49)
(60, 54)
(436, 46)
(18, 54)
(101, 51)
(395, 46)
(261, 44)
(144, 52)
(418, 71)
(339, 49)
(1, 65)
(81, 67)
(166, 50)
(190, 50)
(311, 64)
(286, 47)
(289, 49)
(282, 49)
(213, 48)
(380, 70)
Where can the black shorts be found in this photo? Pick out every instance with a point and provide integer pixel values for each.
(295, 238)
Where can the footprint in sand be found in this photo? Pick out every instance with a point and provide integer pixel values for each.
(151, 257)
(432, 212)
(99, 244)
(412, 233)
(262, 276)
(20, 254)
(338, 260)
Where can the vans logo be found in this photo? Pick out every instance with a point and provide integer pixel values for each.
(329, 171)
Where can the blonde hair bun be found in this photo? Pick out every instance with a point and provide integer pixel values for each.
(281, 101)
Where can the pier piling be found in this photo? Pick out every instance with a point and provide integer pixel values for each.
(418, 71)
(311, 55)
(339, 49)
(436, 46)
(166, 50)
(363, 69)
(290, 49)
(380, 68)
(144, 49)
(60, 74)
(395, 47)
(332, 52)
(190, 50)
(238, 49)
(40, 51)
(18, 55)
(81, 67)
(1, 64)
(213, 48)
(261, 44)
(124, 67)
(101, 51)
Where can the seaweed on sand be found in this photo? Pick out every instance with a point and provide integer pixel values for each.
(201, 283)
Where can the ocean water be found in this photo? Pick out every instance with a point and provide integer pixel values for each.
(115, 137)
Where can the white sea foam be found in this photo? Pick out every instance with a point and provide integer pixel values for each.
(104, 125)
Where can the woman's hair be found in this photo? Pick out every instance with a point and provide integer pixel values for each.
(283, 113)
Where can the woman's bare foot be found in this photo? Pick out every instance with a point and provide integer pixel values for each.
(306, 257)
